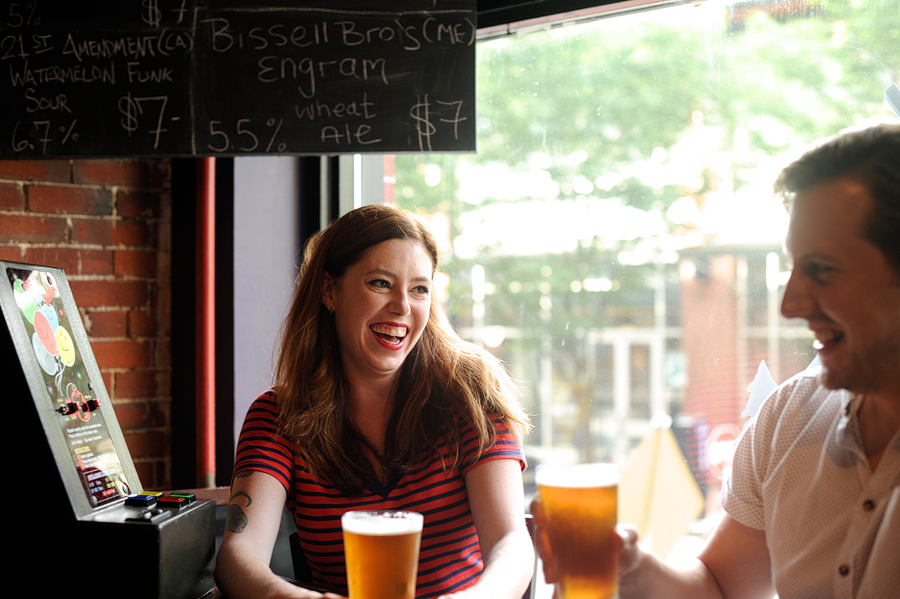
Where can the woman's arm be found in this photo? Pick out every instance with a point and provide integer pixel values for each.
(251, 527)
(497, 502)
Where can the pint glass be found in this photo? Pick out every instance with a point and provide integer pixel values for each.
(579, 505)
(382, 553)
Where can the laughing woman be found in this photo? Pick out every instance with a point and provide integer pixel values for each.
(377, 405)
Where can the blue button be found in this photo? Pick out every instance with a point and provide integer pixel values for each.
(140, 500)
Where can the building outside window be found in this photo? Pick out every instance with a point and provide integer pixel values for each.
(615, 239)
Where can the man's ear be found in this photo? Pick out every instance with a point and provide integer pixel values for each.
(328, 292)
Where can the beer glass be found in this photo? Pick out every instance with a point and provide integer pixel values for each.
(381, 550)
(579, 505)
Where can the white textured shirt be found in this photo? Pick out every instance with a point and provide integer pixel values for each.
(800, 474)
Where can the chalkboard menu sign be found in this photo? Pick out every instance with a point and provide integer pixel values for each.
(236, 77)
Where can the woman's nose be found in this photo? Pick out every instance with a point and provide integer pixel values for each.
(400, 303)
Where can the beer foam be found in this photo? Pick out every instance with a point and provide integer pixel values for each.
(381, 523)
(579, 476)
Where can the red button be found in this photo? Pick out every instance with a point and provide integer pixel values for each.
(169, 501)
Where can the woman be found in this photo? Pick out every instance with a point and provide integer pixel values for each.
(379, 405)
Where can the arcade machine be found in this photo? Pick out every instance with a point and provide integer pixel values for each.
(88, 526)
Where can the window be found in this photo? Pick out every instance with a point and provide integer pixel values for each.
(616, 241)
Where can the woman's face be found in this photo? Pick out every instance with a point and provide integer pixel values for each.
(381, 305)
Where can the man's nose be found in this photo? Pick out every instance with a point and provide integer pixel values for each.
(796, 301)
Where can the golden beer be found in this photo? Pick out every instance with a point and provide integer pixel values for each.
(382, 553)
(579, 505)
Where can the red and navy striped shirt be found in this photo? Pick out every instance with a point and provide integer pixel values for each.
(450, 557)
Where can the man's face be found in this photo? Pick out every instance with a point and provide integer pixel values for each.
(844, 288)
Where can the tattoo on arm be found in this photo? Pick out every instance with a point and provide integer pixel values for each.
(236, 519)
(244, 474)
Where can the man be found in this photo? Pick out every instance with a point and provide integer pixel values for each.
(816, 478)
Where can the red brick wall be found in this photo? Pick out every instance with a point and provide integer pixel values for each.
(107, 223)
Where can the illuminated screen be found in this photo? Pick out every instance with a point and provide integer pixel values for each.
(68, 385)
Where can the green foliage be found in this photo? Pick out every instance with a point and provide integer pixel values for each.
(626, 95)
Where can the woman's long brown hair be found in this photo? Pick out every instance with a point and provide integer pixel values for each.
(444, 379)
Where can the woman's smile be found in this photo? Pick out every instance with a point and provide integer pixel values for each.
(389, 335)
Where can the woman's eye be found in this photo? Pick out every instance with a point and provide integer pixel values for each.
(380, 283)
(421, 289)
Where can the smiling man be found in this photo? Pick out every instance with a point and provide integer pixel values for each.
(813, 501)
(816, 470)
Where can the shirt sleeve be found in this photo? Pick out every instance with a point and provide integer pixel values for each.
(506, 446)
(260, 447)
(741, 495)
(762, 443)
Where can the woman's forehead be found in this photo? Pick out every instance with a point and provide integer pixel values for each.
(395, 254)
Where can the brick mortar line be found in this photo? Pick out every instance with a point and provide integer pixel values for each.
(84, 246)
(112, 187)
(80, 216)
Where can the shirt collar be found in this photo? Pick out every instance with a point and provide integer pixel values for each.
(847, 431)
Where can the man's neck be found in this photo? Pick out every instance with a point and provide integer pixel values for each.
(879, 423)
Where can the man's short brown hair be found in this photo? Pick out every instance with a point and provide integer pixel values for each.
(868, 156)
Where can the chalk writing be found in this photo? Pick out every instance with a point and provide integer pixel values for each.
(319, 109)
(131, 108)
(233, 77)
(39, 136)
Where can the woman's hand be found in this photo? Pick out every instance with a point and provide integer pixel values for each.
(295, 593)
(625, 539)
(496, 499)
(542, 543)
(301, 593)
